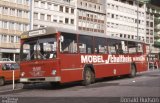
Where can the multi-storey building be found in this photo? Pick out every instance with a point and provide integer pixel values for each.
(14, 19)
(126, 19)
(153, 26)
(91, 16)
(83, 15)
(59, 13)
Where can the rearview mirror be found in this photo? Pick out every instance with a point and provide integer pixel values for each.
(61, 38)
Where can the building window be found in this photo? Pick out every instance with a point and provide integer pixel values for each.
(48, 17)
(36, 4)
(26, 14)
(72, 21)
(86, 4)
(19, 27)
(11, 26)
(19, 13)
(25, 27)
(42, 4)
(61, 8)
(5, 24)
(67, 10)
(12, 12)
(55, 18)
(81, 3)
(55, 7)
(66, 20)
(151, 24)
(35, 26)
(72, 11)
(5, 10)
(42, 17)
(61, 19)
(11, 39)
(35, 15)
(112, 15)
(26, 2)
(4, 38)
(49, 5)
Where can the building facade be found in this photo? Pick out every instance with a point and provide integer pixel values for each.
(126, 19)
(91, 16)
(59, 13)
(14, 19)
(153, 25)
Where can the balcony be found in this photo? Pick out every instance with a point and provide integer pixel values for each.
(10, 45)
(14, 5)
(15, 19)
(10, 32)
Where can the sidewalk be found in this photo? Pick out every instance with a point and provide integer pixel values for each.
(9, 87)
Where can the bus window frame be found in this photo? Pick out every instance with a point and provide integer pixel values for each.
(92, 44)
(60, 45)
(95, 41)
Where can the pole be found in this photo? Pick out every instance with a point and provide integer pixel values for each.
(137, 19)
(13, 80)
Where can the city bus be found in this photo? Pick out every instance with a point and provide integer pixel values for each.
(58, 55)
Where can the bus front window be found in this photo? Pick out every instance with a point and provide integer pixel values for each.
(40, 48)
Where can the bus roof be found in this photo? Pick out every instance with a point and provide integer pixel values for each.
(53, 30)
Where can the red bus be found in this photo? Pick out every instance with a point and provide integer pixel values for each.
(59, 55)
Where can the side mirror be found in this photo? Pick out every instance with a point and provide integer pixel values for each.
(61, 38)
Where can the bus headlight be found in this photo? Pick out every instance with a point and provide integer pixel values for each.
(54, 72)
(22, 74)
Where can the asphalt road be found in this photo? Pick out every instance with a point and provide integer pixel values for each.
(146, 84)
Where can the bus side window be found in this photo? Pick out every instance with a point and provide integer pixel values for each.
(124, 47)
(69, 45)
(140, 48)
(132, 47)
(85, 44)
(100, 46)
(111, 46)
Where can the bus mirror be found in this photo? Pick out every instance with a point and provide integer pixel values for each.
(61, 38)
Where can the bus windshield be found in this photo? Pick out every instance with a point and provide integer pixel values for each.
(38, 48)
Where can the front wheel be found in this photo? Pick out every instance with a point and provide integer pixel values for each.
(2, 81)
(88, 77)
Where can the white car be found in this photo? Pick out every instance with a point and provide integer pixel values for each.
(6, 60)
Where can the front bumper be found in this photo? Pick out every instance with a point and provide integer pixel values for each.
(40, 79)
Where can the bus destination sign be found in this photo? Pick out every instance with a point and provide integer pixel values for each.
(37, 32)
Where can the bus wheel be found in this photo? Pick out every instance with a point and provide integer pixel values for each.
(132, 71)
(2, 81)
(87, 77)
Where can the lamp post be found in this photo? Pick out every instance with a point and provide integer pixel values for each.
(137, 2)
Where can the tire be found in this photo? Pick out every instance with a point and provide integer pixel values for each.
(93, 77)
(132, 71)
(2, 81)
(88, 77)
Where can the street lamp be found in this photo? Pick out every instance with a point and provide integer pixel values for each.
(137, 2)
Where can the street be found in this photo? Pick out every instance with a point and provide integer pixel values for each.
(146, 84)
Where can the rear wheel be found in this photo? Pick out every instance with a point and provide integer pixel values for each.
(2, 81)
(88, 77)
(132, 71)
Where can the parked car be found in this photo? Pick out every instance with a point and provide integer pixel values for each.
(6, 72)
(6, 60)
